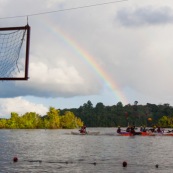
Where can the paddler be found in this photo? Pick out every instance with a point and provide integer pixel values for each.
(141, 129)
(159, 130)
(153, 129)
(119, 129)
(132, 130)
(128, 129)
(83, 129)
(144, 129)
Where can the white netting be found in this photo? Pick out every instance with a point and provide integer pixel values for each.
(10, 48)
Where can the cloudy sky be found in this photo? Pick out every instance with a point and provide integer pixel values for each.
(109, 52)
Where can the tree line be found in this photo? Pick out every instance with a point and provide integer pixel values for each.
(94, 116)
(124, 115)
(32, 120)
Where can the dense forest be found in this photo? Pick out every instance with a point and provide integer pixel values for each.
(119, 115)
(94, 116)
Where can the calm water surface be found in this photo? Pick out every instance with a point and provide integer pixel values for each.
(49, 151)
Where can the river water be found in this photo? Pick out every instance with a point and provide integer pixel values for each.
(49, 151)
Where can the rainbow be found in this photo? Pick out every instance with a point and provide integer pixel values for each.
(88, 58)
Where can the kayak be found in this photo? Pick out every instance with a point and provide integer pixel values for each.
(136, 134)
(125, 134)
(87, 133)
(147, 134)
(163, 134)
(144, 134)
(167, 134)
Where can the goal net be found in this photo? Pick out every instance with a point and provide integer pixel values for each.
(14, 53)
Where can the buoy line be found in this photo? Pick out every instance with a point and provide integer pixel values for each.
(124, 164)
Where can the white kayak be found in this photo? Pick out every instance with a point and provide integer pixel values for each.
(87, 133)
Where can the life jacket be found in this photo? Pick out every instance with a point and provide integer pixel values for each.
(82, 131)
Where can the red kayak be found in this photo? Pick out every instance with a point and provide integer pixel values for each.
(167, 134)
(147, 134)
(136, 134)
(125, 134)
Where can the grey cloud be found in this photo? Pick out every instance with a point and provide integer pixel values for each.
(10, 90)
(145, 16)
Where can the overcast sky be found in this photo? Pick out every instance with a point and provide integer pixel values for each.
(108, 53)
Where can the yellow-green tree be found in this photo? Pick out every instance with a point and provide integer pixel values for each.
(165, 121)
(32, 120)
(52, 120)
(13, 122)
(29, 120)
(79, 122)
(69, 121)
(3, 123)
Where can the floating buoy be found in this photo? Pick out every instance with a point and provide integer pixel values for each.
(157, 165)
(15, 159)
(124, 164)
(94, 163)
